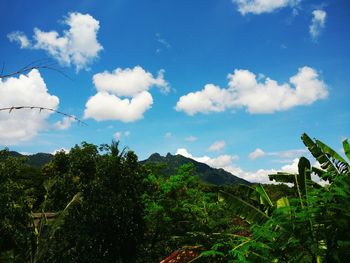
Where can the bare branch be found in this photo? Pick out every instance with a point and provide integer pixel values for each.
(10, 109)
(37, 64)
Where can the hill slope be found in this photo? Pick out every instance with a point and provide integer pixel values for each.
(204, 171)
(36, 160)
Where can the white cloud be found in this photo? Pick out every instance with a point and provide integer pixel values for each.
(105, 106)
(258, 153)
(219, 162)
(259, 176)
(210, 99)
(289, 153)
(60, 150)
(129, 82)
(265, 96)
(65, 123)
(20, 38)
(77, 46)
(226, 162)
(108, 104)
(127, 133)
(263, 6)
(318, 23)
(26, 90)
(191, 139)
(217, 146)
(292, 167)
(168, 135)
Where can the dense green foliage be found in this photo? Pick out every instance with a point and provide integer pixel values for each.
(168, 165)
(110, 208)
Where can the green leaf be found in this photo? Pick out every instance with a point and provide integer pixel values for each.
(326, 149)
(346, 146)
(304, 169)
(283, 202)
(319, 150)
(282, 177)
(243, 208)
(264, 198)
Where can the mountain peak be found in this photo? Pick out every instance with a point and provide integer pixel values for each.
(203, 171)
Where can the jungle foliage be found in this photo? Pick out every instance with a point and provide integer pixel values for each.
(110, 208)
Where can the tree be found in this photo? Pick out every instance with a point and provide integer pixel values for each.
(16, 235)
(107, 225)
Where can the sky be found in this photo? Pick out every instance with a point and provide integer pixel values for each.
(231, 83)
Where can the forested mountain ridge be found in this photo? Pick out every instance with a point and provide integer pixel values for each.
(170, 163)
(36, 160)
(168, 166)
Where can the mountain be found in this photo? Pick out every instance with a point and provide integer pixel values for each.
(168, 166)
(205, 173)
(36, 160)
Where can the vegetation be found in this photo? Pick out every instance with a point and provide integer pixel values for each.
(108, 207)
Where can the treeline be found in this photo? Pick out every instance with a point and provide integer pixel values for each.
(110, 208)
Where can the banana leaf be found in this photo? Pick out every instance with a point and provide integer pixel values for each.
(320, 151)
(242, 208)
(283, 202)
(282, 177)
(304, 169)
(264, 198)
(346, 147)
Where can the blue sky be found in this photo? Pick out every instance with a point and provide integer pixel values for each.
(232, 83)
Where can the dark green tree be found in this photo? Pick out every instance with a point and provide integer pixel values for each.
(107, 224)
(16, 235)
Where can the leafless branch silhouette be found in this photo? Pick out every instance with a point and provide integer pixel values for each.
(38, 64)
(10, 109)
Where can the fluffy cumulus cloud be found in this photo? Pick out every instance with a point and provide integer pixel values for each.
(65, 123)
(318, 23)
(218, 162)
(77, 46)
(256, 95)
(211, 99)
(263, 6)
(123, 94)
(217, 146)
(129, 82)
(20, 38)
(256, 154)
(106, 106)
(26, 90)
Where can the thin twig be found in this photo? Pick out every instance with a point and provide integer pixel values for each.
(37, 64)
(10, 109)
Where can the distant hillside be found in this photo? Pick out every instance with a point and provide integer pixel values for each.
(37, 160)
(170, 165)
(204, 171)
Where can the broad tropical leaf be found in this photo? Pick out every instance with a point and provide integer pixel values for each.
(282, 177)
(322, 153)
(264, 198)
(283, 202)
(242, 208)
(304, 169)
(346, 146)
